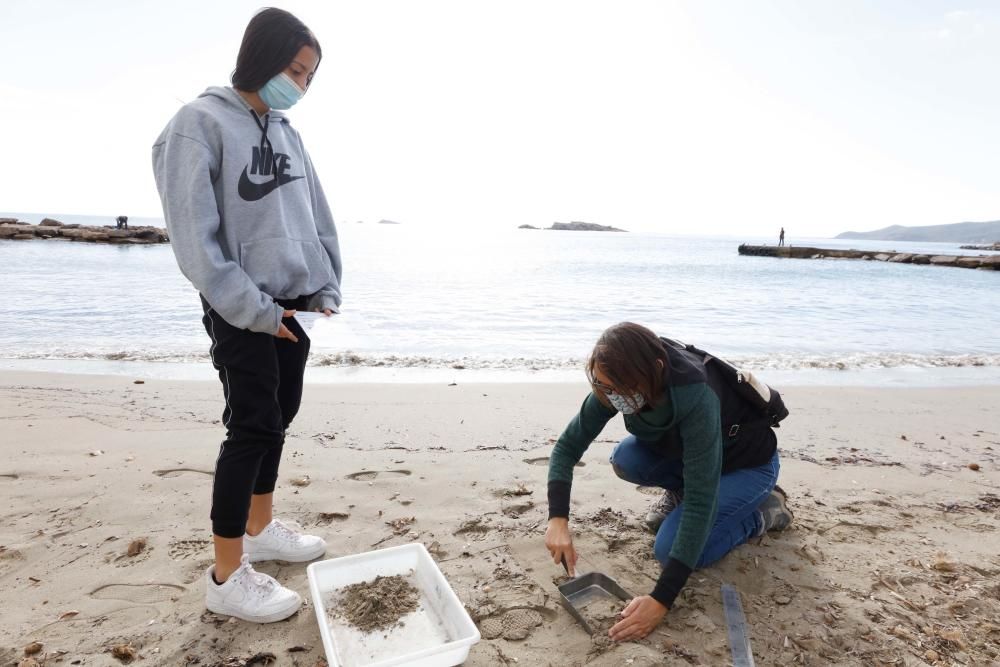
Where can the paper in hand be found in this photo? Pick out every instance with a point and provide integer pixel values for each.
(335, 332)
(308, 319)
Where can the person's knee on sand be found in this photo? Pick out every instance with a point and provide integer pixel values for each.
(623, 464)
(639, 463)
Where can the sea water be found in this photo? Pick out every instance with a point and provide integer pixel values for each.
(520, 304)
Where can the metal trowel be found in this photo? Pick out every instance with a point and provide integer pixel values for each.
(584, 589)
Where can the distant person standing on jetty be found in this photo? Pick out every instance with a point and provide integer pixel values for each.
(252, 231)
(781, 237)
(121, 222)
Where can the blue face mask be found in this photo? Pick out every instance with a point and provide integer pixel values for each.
(281, 92)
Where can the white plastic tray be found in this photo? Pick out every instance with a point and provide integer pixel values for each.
(438, 634)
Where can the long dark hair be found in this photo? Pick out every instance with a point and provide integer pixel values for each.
(633, 358)
(271, 41)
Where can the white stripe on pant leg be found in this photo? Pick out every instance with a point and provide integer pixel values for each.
(222, 448)
(225, 381)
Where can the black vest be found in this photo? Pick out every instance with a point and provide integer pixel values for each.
(748, 440)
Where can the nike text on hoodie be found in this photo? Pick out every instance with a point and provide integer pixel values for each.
(246, 214)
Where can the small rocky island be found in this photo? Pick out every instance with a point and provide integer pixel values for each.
(805, 252)
(18, 230)
(576, 227)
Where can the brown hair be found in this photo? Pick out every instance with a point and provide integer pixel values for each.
(628, 354)
(271, 40)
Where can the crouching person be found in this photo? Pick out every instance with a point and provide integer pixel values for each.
(707, 442)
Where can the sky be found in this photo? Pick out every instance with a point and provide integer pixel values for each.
(699, 117)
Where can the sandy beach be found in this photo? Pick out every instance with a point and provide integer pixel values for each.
(892, 558)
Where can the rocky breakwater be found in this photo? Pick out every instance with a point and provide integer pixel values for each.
(17, 230)
(804, 252)
(576, 227)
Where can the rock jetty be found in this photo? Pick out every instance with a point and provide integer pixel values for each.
(805, 252)
(983, 246)
(17, 230)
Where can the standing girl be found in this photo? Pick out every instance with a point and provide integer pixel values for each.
(252, 231)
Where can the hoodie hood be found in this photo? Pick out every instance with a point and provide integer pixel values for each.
(229, 97)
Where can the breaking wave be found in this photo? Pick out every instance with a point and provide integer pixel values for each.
(348, 359)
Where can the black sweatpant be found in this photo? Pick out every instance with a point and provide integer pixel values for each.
(262, 383)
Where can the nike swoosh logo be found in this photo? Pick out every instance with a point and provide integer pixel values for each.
(251, 191)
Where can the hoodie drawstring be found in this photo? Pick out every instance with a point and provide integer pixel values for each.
(264, 140)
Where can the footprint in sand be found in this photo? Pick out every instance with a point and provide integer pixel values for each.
(514, 623)
(8, 557)
(174, 472)
(186, 549)
(515, 511)
(369, 475)
(6, 553)
(544, 461)
(124, 620)
(138, 593)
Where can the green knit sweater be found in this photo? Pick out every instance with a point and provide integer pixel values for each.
(694, 409)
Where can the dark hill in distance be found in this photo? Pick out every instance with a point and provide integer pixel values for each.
(576, 227)
(583, 227)
(959, 232)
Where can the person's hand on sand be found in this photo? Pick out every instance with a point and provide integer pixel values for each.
(639, 618)
(559, 542)
(285, 332)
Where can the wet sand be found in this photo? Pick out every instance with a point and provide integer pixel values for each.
(104, 534)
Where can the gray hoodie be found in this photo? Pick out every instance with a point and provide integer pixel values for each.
(246, 215)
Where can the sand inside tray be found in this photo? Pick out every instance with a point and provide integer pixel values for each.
(377, 604)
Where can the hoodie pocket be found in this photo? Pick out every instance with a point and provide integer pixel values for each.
(284, 267)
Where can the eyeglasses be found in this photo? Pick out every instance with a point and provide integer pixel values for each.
(607, 389)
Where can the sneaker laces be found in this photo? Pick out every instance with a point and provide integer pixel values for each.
(259, 583)
(287, 530)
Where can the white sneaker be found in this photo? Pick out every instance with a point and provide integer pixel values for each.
(250, 595)
(280, 541)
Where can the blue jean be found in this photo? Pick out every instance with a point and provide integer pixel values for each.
(740, 494)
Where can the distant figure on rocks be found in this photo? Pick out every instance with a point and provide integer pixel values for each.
(122, 221)
(781, 237)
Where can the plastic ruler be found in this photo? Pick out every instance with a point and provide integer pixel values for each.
(736, 626)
